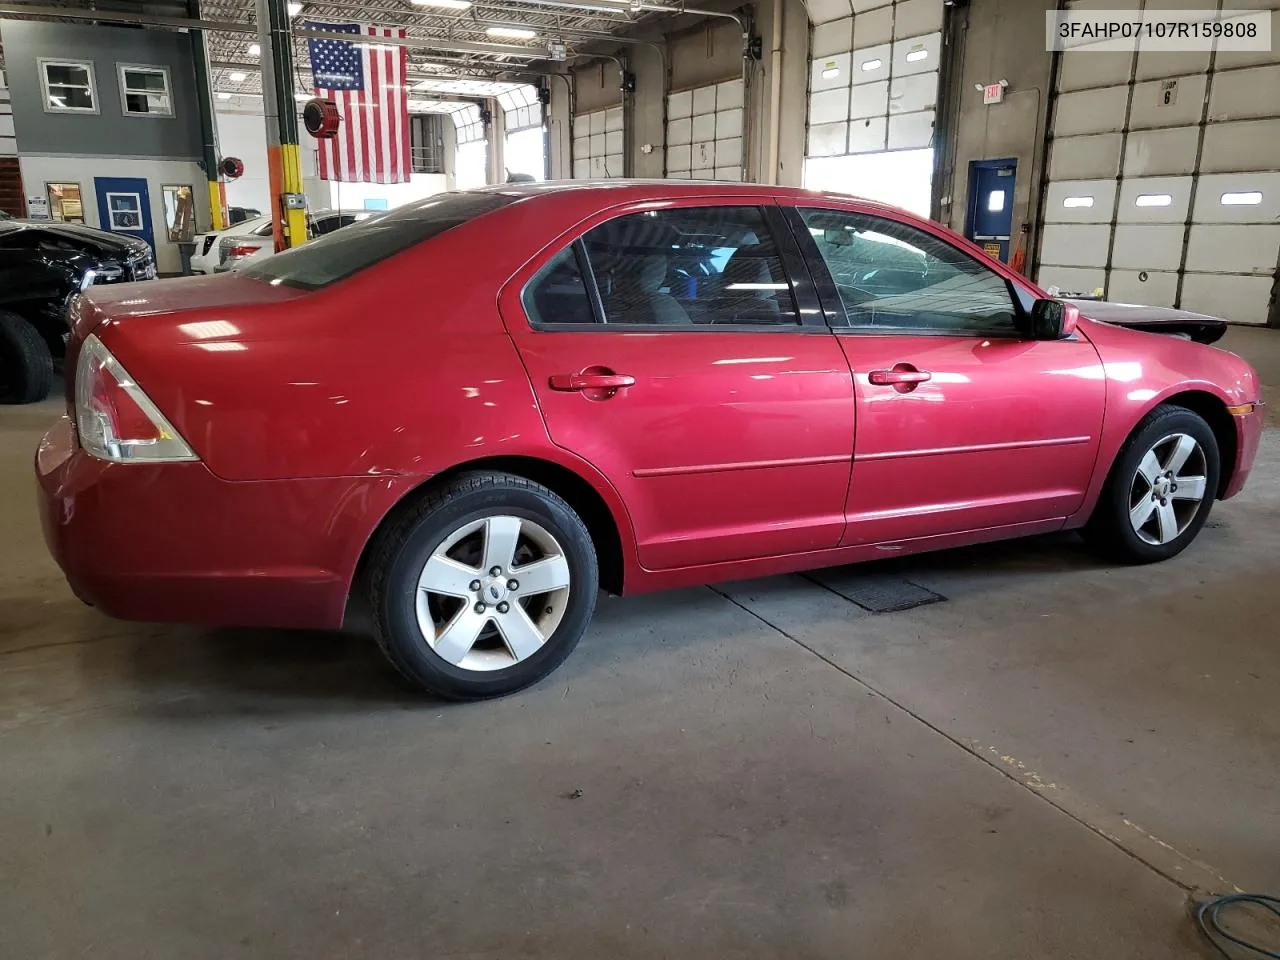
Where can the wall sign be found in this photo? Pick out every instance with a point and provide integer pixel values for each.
(993, 93)
(1168, 93)
(38, 207)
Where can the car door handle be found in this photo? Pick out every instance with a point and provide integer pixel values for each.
(591, 381)
(903, 377)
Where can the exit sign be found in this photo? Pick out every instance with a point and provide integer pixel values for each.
(993, 93)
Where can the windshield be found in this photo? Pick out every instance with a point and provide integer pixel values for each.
(337, 255)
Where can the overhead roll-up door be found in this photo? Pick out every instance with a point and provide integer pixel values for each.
(706, 132)
(598, 145)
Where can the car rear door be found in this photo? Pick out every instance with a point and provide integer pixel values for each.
(964, 422)
(666, 347)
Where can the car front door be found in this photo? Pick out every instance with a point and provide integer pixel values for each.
(964, 422)
(666, 348)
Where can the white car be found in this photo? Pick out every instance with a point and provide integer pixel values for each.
(205, 258)
(235, 249)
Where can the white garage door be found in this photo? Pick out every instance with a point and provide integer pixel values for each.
(1164, 176)
(705, 132)
(598, 145)
(873, 89)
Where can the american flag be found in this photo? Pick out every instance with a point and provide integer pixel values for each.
(367, 82)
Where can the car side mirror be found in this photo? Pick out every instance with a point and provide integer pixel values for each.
(1053, 320)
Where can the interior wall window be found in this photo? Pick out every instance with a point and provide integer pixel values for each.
(426, 142)
(144, 91)
(65, 202)
(179, 213)
(897, 277)
(690, 266)
(558, 294)
(68, 86)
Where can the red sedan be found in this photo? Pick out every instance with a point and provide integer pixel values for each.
(482, 408)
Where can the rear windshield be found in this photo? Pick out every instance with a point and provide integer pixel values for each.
(337, 255)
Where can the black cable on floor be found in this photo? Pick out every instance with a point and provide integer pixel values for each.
(1207, 917)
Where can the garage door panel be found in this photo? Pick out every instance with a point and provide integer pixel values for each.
(680, 105)
(1080, 201)
(581, 148)
(1239, 299)
(613, 142)
(828, 139)
(914, 17)
(1090, 111)
(1150, 110)
(704, 126)
(728, 152)
(869, 100)
(860, 6)
(1159, 289)
(1087, 157)
(704, 100)
(831, 38)
(1233, 248)
(871, 64)
(1153, 64)
(613, 119)
(1081, 69)
(839, 63)
(1153, 153)
(911, 131)
(582, 168)
(680, 132)
(1238, 198)
(680, 158)
(729, 94)
(1071, 280)
(728, 124)
(597, 145)
(1075, 244)
(1148, 246)
(1242, 145)
(728, 173)
(704, 155)
(826, 106)
(914, 93)
(916, 55)
(823, 10)
(1154, 200)
(1238, 94)
(873, 27)
(867, 136)
(595, 122)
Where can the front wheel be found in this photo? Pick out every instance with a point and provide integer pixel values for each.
(484, 588)
(1160, 490)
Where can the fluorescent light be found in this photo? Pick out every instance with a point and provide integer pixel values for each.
(239, 77)
(1248, 199)
(255, 50)
(756, 286)
(869, 65)
(224, 96)
(443, 4)
(1153, 200)
(915, 56)
(512, 33)
(295, 9)
(1078, 202)
(830, 73)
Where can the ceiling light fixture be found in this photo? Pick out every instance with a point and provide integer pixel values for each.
(255, 50)
(239, 77)
(512, 33)
(443, 4)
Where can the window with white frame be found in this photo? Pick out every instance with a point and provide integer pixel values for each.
(145, 91)
(68, 86)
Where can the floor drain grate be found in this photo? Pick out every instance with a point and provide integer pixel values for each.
(877, 593)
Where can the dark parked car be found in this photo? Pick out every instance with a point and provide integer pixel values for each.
(42, 265)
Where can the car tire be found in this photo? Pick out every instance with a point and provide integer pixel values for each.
(440, 586)
(26, 365)
(1160, 490)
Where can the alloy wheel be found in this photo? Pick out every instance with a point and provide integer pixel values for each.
(492, 593)
(1168, 489)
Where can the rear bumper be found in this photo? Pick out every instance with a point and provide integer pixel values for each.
(1248, 433)
(172, 542)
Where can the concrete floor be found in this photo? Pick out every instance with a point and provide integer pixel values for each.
(1043, 766)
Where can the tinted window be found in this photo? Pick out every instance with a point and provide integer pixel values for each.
(558, 294)
(895, 276)
(340, 254)
(690, 266)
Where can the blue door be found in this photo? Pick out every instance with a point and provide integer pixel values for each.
(989, 222)
(124, 206)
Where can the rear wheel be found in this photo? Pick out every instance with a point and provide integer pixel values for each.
(1160, 490)
(485, 588)
(26, 366)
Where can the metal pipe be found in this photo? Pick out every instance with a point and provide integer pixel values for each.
(208, 125)
(775, 91)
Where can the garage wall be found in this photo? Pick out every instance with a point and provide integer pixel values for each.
(1164, 176)
(873, 75)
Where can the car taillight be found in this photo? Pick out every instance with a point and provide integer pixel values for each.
(242, 251)
(115, 419)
